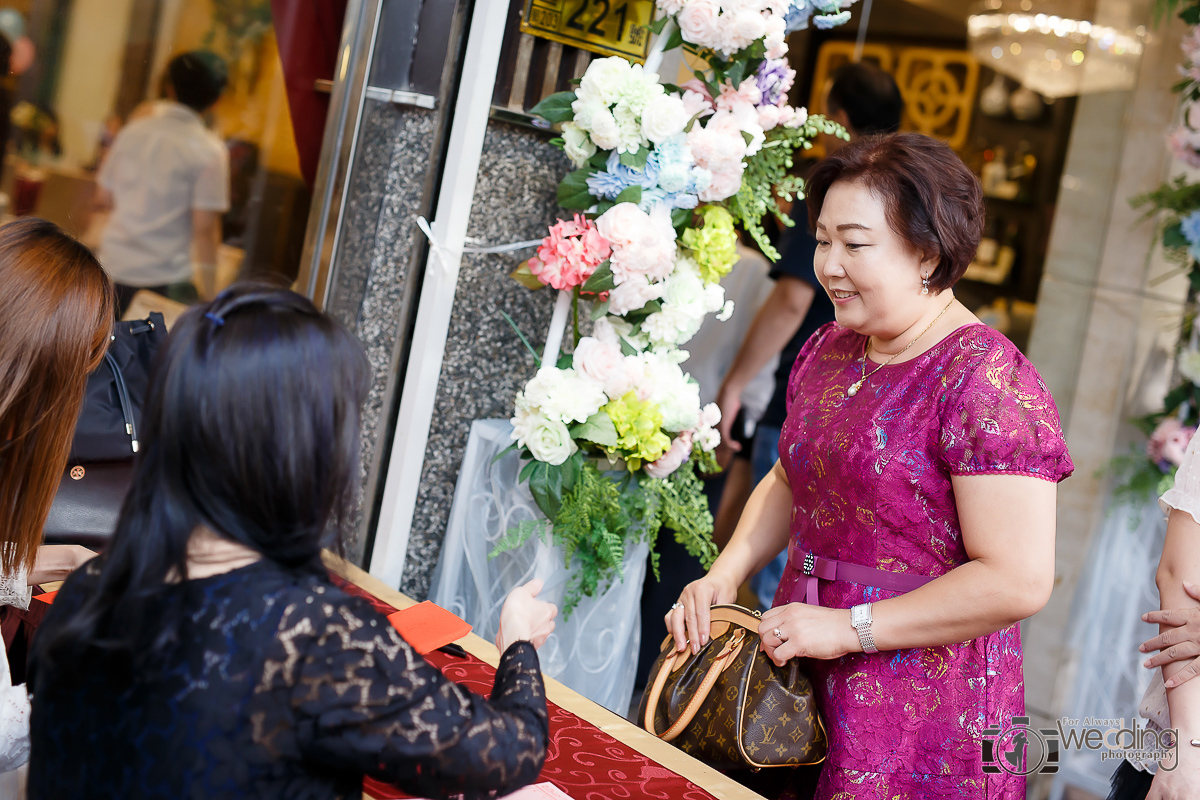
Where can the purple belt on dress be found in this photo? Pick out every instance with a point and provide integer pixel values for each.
(818, 568)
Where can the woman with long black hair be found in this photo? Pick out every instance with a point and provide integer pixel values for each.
(206, 653)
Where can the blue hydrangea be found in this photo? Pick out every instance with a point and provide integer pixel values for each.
(826, 21)
(801, 11)
(605, 185)
(1191, 231)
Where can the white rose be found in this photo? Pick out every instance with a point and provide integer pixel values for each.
(741, 30)
(632, 295)
(699, 22)
(685, 289)
(585, 110)
(710, 416)
(677, 396)
(664, 118)
(670, 326)
(564, 394)
(708, 439)
(598, 359)
(604, 79)
(605, 132)
(526, 418)
(670, 8)
(576, 144)
(551, 442)
(714, 298)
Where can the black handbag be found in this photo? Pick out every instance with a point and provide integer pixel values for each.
(100, 468)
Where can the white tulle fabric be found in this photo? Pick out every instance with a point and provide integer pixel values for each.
(14, 700)
(596, 651)
(1116, 586)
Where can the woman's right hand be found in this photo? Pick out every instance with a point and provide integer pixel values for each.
(525, 618)
(689, 622)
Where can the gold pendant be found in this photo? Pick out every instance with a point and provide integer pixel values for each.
(853, 390)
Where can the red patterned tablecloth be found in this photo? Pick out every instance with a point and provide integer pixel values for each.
(583, 761)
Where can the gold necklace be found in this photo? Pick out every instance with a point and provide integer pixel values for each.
(853, 390)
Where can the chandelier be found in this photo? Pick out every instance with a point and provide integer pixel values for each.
(1058, 48)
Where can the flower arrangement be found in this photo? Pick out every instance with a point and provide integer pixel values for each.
(1176, 206)
(613, 432)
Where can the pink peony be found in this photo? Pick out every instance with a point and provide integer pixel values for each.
(673, 459)
(642, 244)
(724, 184)
(570, 254)
(748, 93)
(600, 361)
(699, 22)
(1169, 442)
(769, 116)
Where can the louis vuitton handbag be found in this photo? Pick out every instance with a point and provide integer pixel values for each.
(729, 705)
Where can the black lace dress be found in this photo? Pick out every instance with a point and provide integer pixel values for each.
(279, 686)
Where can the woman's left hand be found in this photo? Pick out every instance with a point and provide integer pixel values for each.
(1180, 643)
(799, 629)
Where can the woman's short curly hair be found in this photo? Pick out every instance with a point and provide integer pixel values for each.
(930, 197)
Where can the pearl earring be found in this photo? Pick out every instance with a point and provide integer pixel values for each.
(925, 285)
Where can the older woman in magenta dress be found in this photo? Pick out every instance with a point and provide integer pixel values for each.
(915, 491)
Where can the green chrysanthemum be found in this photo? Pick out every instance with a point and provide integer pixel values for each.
(715, 244)
(639, 429)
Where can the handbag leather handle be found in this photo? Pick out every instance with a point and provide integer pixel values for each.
(719, 665)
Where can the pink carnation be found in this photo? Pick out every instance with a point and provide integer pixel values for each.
(724, 184)
(1169, 442)
(673, 459)
(570, 254)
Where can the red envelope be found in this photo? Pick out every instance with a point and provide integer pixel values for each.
(427, 627)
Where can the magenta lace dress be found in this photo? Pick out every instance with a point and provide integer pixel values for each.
(870, 478)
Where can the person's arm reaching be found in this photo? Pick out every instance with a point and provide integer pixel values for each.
(776, 322)
(206, 240)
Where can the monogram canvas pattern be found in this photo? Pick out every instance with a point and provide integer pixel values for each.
(756, 714)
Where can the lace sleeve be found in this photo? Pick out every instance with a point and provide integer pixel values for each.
(1001, 419)
(15, 590)
(364, 699)
(14, 719)
(1185, 493)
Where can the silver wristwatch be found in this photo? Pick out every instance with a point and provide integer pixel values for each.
(860, 618)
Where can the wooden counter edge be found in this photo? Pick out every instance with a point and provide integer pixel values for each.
(614, 725)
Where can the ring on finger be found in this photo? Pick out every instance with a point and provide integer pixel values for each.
(779, 635)
(676, 605)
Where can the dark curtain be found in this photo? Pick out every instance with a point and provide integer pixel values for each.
(308, 33)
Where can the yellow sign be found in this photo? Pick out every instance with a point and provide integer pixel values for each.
(608, 27)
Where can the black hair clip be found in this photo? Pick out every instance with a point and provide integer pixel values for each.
(215, 318)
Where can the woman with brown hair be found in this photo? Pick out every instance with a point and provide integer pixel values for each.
(915, 493)
(56, 312)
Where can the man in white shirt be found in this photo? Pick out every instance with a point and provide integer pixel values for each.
(166, 181)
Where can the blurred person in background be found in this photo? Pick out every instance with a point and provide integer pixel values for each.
(166, 183)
